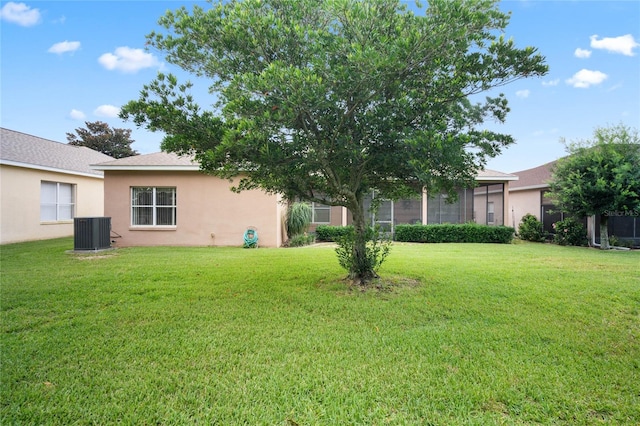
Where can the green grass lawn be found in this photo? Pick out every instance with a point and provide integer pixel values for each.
(492, 334)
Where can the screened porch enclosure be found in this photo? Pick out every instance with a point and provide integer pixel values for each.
(483, 204)
(441, 210)
(625, 227)
(391, 213)
(488, 201)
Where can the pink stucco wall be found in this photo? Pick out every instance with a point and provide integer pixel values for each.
(523, 202)
(208, 212)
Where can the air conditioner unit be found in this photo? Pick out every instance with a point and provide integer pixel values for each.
(91, 233)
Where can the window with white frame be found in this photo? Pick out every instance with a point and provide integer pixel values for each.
(321, 213)
(153, 206)
(490, 212)
(57, 201)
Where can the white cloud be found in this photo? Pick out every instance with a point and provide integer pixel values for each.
(582, 53)
(64, 46)
(551, 82)
(615, 87)
(128, 60)
(623, 44)
(20, 13)
(523, 93)
(585, 78)
(107, 111)
(77, 115)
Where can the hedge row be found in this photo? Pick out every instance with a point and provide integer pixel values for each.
(331, 233)
(465, 233)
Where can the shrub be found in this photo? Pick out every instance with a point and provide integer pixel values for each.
(301, 240)
(620, 242)
(332, 233)
(377, 249)
(465, 233)
(531, 229)
(570, 232)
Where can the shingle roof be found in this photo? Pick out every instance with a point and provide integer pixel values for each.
(536, 177)
(487, 174)
(172, 161)
(155, 161)
(22, 150)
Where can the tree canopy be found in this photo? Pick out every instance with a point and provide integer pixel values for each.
(328, 101)
(600, 176)
(100, 137)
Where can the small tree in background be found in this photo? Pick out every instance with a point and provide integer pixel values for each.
(600, 177)
(100, 137)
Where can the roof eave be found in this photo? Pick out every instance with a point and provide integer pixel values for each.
(496, 178)
(530, 187)
(146, 168)
(50, 169)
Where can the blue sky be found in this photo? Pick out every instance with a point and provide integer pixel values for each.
(66, 62)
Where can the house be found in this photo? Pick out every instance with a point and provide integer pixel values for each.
(529, 195)
(164, 199)
(44, 185)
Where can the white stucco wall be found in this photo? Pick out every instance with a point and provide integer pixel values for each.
(20, 203)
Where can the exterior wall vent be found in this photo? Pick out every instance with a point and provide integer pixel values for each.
(91, 233)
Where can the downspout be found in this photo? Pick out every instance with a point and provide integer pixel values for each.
(592, 230)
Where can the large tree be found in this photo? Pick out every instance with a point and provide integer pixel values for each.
(102, 138)
(600, 177)
(327, 101)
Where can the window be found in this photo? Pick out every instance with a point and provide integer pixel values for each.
(151, 206)
(57, 201)
(321, 213)
(490, 212)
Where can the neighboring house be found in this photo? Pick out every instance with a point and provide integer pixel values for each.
(529, 195)
(44, 185)
(164, 199)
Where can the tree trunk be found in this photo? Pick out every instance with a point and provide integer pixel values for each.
(604, 232)
(361, 269)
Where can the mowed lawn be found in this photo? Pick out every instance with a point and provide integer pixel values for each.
(472, 334)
